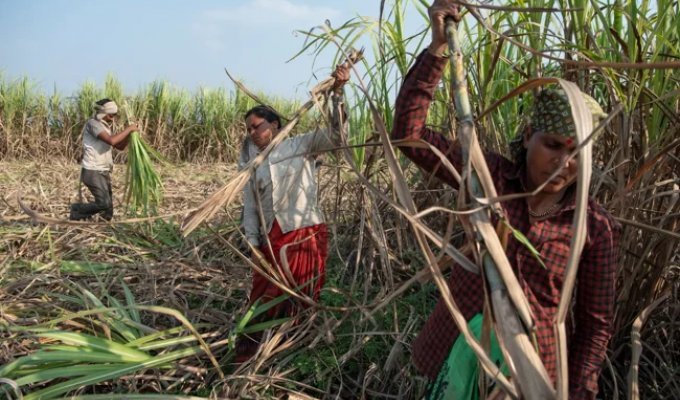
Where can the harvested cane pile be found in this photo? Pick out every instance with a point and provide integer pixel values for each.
(144, 189)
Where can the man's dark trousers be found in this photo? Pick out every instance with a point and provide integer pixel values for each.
(99, 183)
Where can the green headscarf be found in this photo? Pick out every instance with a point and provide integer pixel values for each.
(552, 113)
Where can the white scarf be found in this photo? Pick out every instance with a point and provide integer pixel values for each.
(108, 108)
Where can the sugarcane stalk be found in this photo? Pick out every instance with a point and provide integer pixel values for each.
(144, 188)
(510, 307)
(403, 193)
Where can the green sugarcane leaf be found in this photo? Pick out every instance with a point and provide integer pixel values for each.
(37, 367)
(162, 344)
(119, 308)
(64, 387)
(123, 328)
(247, 317)
(144, 186)
(257, 309)
(519, 236)
(75, 267)
(74, 355)
(262, 308)
(61, 372)
(95, 343)
(265, 325)
(158, 335)
(66, 298)
(112, 319)
(130, 299)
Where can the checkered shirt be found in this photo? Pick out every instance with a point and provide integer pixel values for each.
(589, 327)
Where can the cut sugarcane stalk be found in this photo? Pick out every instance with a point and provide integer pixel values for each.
(510, 307)
(144, 188)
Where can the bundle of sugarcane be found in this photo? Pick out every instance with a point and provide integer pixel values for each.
(144, 188)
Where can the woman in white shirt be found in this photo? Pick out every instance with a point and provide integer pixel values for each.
(280, 209)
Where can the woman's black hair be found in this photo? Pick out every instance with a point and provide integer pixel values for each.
(265, 112)
(518, 152)
(103, 101)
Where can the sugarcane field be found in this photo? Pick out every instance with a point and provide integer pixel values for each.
(462, 200)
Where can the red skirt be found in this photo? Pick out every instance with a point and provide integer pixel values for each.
(305, 254)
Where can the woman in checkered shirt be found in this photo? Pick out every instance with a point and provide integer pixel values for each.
(545, 219)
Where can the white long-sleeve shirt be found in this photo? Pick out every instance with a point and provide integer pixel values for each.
(285, 184)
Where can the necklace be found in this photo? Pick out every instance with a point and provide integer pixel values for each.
(545, 213)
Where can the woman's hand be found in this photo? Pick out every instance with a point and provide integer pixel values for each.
(438, 12)
(341, 75)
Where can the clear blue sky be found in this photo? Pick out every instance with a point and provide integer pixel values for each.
(188, 43)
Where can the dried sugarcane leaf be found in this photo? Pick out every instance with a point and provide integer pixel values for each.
(584, 125)
(636, 345)
(522, 239)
